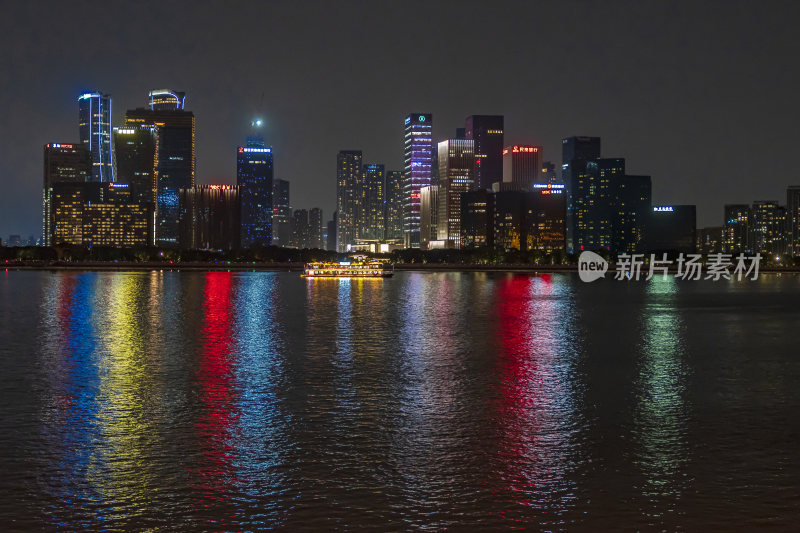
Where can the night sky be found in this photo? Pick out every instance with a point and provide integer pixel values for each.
(702, 98)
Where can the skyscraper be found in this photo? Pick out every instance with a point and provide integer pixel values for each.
(175, 159)
(418, 158)
(135, 155)
(281, 213)
(300, 229)
(736, 230)
(393, 212)
(166, 99)
(63, 163)
(522, 166)
(456, 167)
(349, 176)
(477, 217)
(575, 153)
(371, 221)
(428, 215)
(254, 170)
(769, 228)
(793, 219)
(487, 132)
(315, 232)
(590, 202)
(549, 174)
(94, 125)
(631, 198)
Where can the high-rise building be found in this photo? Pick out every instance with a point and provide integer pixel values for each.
(393, 212)
(487, 132)
(672, 229)
(331, 242)
(522, 166)
(315, 231)
(456, 167)
(254, 172)
(575, 153)
(418, 160)
(545, 224)
(175, 157)
(63, 163)
(98, 214)
(477, 219)
(281, 213)
(94, 125)
(349, 198)
(300, 229)
(769, 228)
(793, 219)
(370, 223)
(135, 155)
(428, 215)
(631, 199)
(736, 230)
(592, 198)
(210, 217)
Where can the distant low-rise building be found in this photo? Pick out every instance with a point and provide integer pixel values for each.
(672, 229)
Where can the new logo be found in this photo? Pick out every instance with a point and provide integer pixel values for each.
(591, 266)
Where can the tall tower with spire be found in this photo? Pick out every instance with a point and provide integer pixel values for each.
(254, 175)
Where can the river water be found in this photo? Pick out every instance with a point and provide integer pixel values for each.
(428, 401)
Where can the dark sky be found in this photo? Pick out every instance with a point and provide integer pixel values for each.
(702, 97)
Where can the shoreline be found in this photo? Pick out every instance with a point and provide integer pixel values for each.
(124, 266)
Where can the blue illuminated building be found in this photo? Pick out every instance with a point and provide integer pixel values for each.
(94, 124)
(254, 174)
(418, 160)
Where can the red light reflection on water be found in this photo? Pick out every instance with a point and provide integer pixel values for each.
(216, 395)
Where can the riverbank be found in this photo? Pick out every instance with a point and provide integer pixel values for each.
(205, 266)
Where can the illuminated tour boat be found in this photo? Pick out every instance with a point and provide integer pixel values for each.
(358, 267)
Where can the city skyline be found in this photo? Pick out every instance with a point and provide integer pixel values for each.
(680, 93)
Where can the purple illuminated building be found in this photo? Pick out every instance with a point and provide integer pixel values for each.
(418, 159)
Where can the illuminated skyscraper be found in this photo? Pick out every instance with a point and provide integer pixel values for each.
(793, 219)
(370, 223)
(135, 155)
(456, 167)
(393, 213)
(63, 163)
(575, 153)
(254, 173)
(428, 216)
(487, 132)
(769, 228)
(418, 158)
(94, 125)
(522, 167)
(281, 213)
(736, 230)
(349, 198)
(175, 157)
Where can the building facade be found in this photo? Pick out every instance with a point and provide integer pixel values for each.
(63, 163)
(793, 220)
(417, 172)
(575, 153)
(428, 216)
(768, 228)
(210, 217)
(316, 230)
(456, 167)
(672, 229)
(393, 212)
(254, 174)
(349, 198)
(522, 166)
(98, 214)
(736, 230)
(477, 219)
(486, 131)
(370, 223)
(94, 125)
(175, 159)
